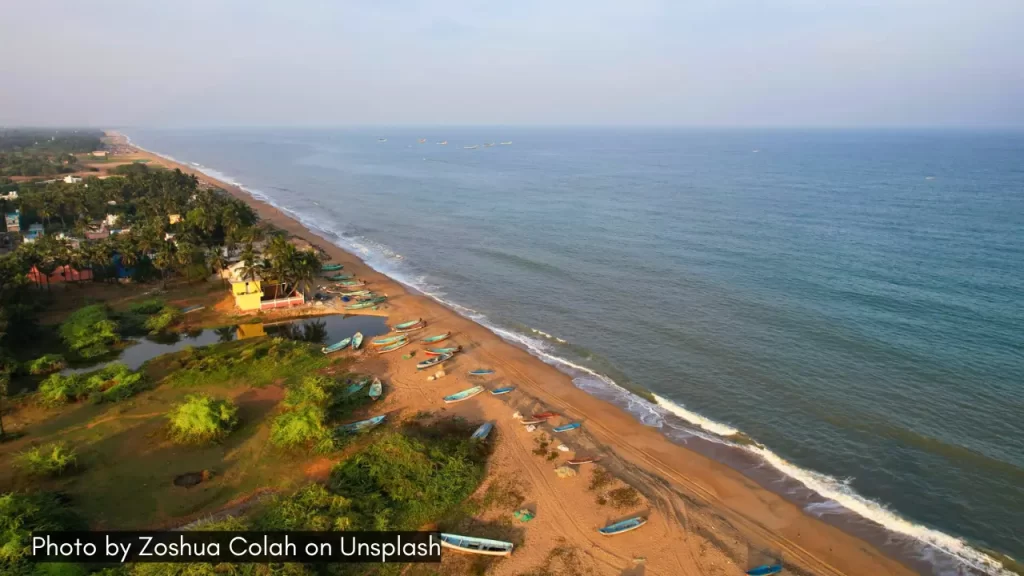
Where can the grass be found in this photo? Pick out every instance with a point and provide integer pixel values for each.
(256, 363)
(51, 459)
(312, 406)
(22, 514)
(600, 479)
(623, 498)
(201, 419)
(90, 332)
(46, 364)
(112, 383)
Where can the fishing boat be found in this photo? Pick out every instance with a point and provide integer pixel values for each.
(362, 424)
(489, 144)
(545, 415)
(481, 372)
(387, 340)
(765, 570)
(623, 526)
(503, 390)
(422, 141)
(433, 361)
(357, 386)
(464, 395)
(442, 351)
(567, 427)
(382, 139)
(443, 143)
(509, 143)
(531, 422)
(482, 432)
(352, 294)
(394, 346)
(376, 389)
(340, 277)
(367, 303)
(579, 461)
(473, 147)
(476, 545)
(357, 340)
(438, 338)
(350, 284)
(409, 326)
(340, 345)
(331, 267)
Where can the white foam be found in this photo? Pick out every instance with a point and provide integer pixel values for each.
(694, 418)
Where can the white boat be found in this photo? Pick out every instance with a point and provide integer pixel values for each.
(509, 143)
(473, 147)
(476, 545)
(443, 143)
(382, 139)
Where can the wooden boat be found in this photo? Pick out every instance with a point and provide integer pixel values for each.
(340, 277)
(476, 545)
(351, 294)
(442, 351)
(433, 361)
(464, 395)
(624, 526)
(438, 338)
(367, 304)
(567, 427)
(530, 422)
(545, 415)
(394, 346)
(482, 432)
(357, 340)
(503, 390)
(387, 340)
(481, 372)
(410, 325)
(362, 424)
(579, 461)
(356, 387)
(340, 345)
(331, 267)
(765, 570)
(376, 389)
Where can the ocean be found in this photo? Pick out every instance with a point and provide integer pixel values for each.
(850, 301)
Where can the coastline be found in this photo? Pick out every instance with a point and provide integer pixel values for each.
(703, 513)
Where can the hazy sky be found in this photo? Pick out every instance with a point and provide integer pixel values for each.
(679, 62)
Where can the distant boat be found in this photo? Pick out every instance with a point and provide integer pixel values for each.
(567, 427)
(362, 424)
(579, 461)
(331, 267)
(340, 345)
(388, 340)
(438, 338)
(382, 139)
(422, 141)
(476, 545)
(489, 144)
(357, 340)
(340, 277)
(357, 386)
(545, 415)
(481, 372)
(394, 346)
(443, 143)
(624, 526)
(409, 326)
(376, 389)
(433, 361)
(765, 570)
(503, 390)
(509, 143)
(482, 432)
(473, 147)
(442, 351)
(464, 395)
(367, 304)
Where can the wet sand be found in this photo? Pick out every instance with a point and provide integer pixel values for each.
(703, 517)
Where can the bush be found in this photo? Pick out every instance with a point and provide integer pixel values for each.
(112, 383)
(22, 514)
(257, 362)
(311, 508)
(302, 426)
(46, 460)
(46, 364)
(164, 319)
(147, 307)
(625, 497)
(201, 418)
(90, 332)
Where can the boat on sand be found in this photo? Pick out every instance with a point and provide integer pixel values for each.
(567, 427)
(545, 415)
(623, 526)
(438, 338)
(502, 390)
(442, 351)
(433, 361)
(357, 340)
(331, 267)
(585, 460)
(410, 325)
(481, 372)
(464, 395)
(362, 424)
(376, 389)
(387, 340)
(339, 345)
(476, 545)
(765, 570)
(482, 432)
(393, 346)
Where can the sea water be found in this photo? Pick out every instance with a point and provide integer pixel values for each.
(850, 301)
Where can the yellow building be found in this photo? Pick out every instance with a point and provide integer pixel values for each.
(247, 294)
(173, 218)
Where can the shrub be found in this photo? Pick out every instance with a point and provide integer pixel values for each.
(164, 319)
(46, 364)
(302, 426)
(147, 307)
(89, 331)
(22, 514)
(625, 497)
(255, 362)
(201, 418)
(600, 479)
(46, 460)
(311, 508)
(112, 383)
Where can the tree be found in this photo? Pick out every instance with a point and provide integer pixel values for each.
(164, 260)
(215, 258)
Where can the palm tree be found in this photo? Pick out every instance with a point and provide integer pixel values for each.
(218, 262)
(225, 333)
(164, 260)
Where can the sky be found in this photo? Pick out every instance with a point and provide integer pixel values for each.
(736, 63)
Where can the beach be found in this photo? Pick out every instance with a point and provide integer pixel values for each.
(703, 517)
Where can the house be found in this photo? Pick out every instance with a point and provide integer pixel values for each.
(173, 218)
(71, 240)
(13, 221)
(61, 274)
(99, 153)
(250, 294)
(247, 294)
(69, 179)
(35, 231)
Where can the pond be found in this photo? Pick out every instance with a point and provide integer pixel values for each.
(320, 330)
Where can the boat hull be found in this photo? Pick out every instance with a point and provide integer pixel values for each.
(500, 391)
(357, 340)
(392, 347)
(472, 545)
(438, 338)
(433, 361)
(567, 427)
(482, 432)
(410, 326)
(442, 351)
(376, 389)
(336, 346)
(622, 527)
(464, 395)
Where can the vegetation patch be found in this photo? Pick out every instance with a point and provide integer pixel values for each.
(311, 405)
(112, 383)
(51, 459)
(600, 479)
(200, 419)
(90, 332)
(623, 498)
(164, 319)
(22, 514)
(254, 362)
(46, 364)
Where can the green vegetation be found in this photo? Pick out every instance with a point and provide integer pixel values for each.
(22, 514)
(200, 419)
(310, 405)
(46, 364)
(167, 317)
(90, 332)
(147, 307)
(254, 362)
(44, 152)
(47, 460)
(112, 383)
(311, 508)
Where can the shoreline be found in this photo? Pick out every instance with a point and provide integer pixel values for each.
(695, 498)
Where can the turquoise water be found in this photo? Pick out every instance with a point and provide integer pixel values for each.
(853, 301)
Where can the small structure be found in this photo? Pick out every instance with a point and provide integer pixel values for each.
(111, 220)
(35, 231)
(71, 240)
(69, 179)
(247, 293)
(173, 218)
(99, 153)
(13, 221)
(12, 195)
(60, 275)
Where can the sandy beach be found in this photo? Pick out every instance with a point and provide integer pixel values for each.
(703, 517)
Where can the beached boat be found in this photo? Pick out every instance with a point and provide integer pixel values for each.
(348, 283)
(409, 326)
(376, 389)
(580, 461)
(351, 294)
(357, 386)
(464, 395)
(393, 346)
(367, 303)
(438, 338)
(623, 526)
(476, 545)
(193, 308)
(387, 340)
(481, 372)
(340, 345)
(545, 415)
(433, 361)
(340, 277)
(331, 267)
(442, 351)
(765, 570)
(482, 432)
(503, 390)
(357, 340)
(531, 422)
(567, 427)
(362, 424)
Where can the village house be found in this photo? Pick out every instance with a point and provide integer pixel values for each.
(35, 231)
(69, 179)
(60, 275)
(249, 293)
(13, 221)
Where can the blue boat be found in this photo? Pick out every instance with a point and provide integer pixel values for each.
(438, 338)
(388, 340)
(357, 340)
(331, 267)
(336, 346)
(765, 570)
(464, 395)
(393, 346)
(357, 386)
(433, 361)
(482, 432)
(623, 526)
(567, 427)
(376, 389)
(362, 424)
(481, 372)
(476, 545)
(503, 390)
(442, 351)
(409, 326)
